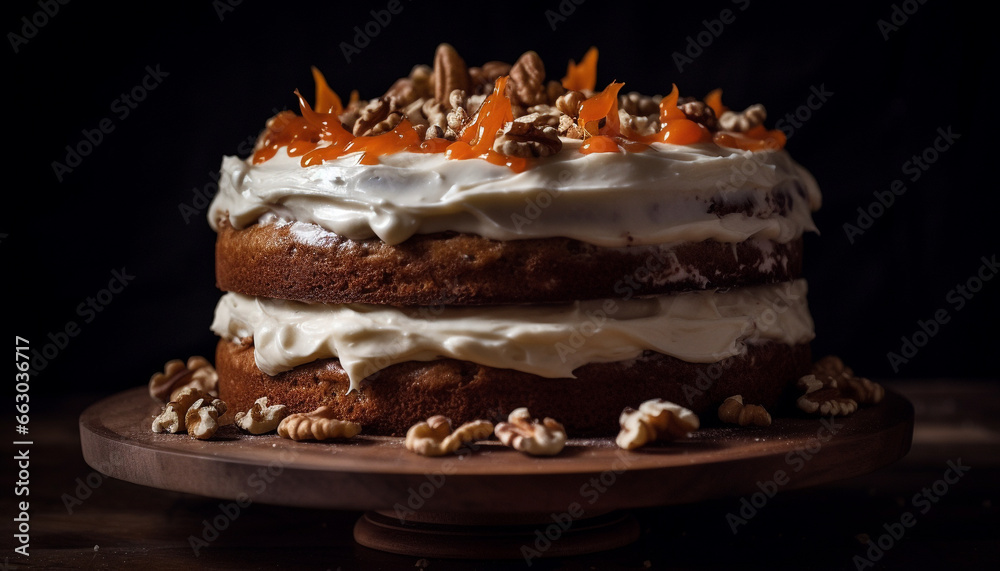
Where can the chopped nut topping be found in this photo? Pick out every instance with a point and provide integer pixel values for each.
(261, 418)
(202, 418)
(743, 121)
(435, 438)
(699, 112)
(449, 73)
(526, 140)
(320, 424)
(641, 125)
(172, 418)
(734, 411)
(197, 373)
(527, 81)
(656, 419)
(525, 434)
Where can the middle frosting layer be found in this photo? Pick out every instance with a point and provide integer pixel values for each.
(546, 340)
(665, 194)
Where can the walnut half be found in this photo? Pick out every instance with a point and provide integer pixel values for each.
(261, 418)
(526, 434)
(177, 375)
(202, 418)
(656, 419)
(434, 437)
(833, 388)
(172, 418)
(733, 411)
(521, 139)
(320, 424)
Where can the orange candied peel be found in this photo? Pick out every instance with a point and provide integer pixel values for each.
(478, 137)
(582, 76)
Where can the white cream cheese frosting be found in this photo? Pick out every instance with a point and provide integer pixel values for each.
(546, 340)
(666, 194)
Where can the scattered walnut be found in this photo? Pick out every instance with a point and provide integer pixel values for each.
(635, 103)
(526, 140)
(176, 376)
(435, 438)
(833, 388)
(569, 103)
(320, 424)
(449, 73)
(481, 79)
(435, 113)
(527, 81)
(699, 112)
(202, 418)
(743, 121)
(862, 390)
(261, 418)
(656, 419)
(734, 411)
(172, 418)
(525, 434)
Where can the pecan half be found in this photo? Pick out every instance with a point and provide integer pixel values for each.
(527, 81)
(449, 73)
(481, 79)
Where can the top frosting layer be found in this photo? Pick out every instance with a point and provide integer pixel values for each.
(665, 194)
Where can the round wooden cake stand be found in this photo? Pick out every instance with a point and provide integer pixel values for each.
(491, 501)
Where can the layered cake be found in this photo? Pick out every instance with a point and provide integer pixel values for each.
(479, 239)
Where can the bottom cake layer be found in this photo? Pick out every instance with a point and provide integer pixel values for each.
(399, 396)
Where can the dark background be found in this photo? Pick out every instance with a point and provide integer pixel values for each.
(227, 68)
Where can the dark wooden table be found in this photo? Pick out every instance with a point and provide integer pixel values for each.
(81, 519)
